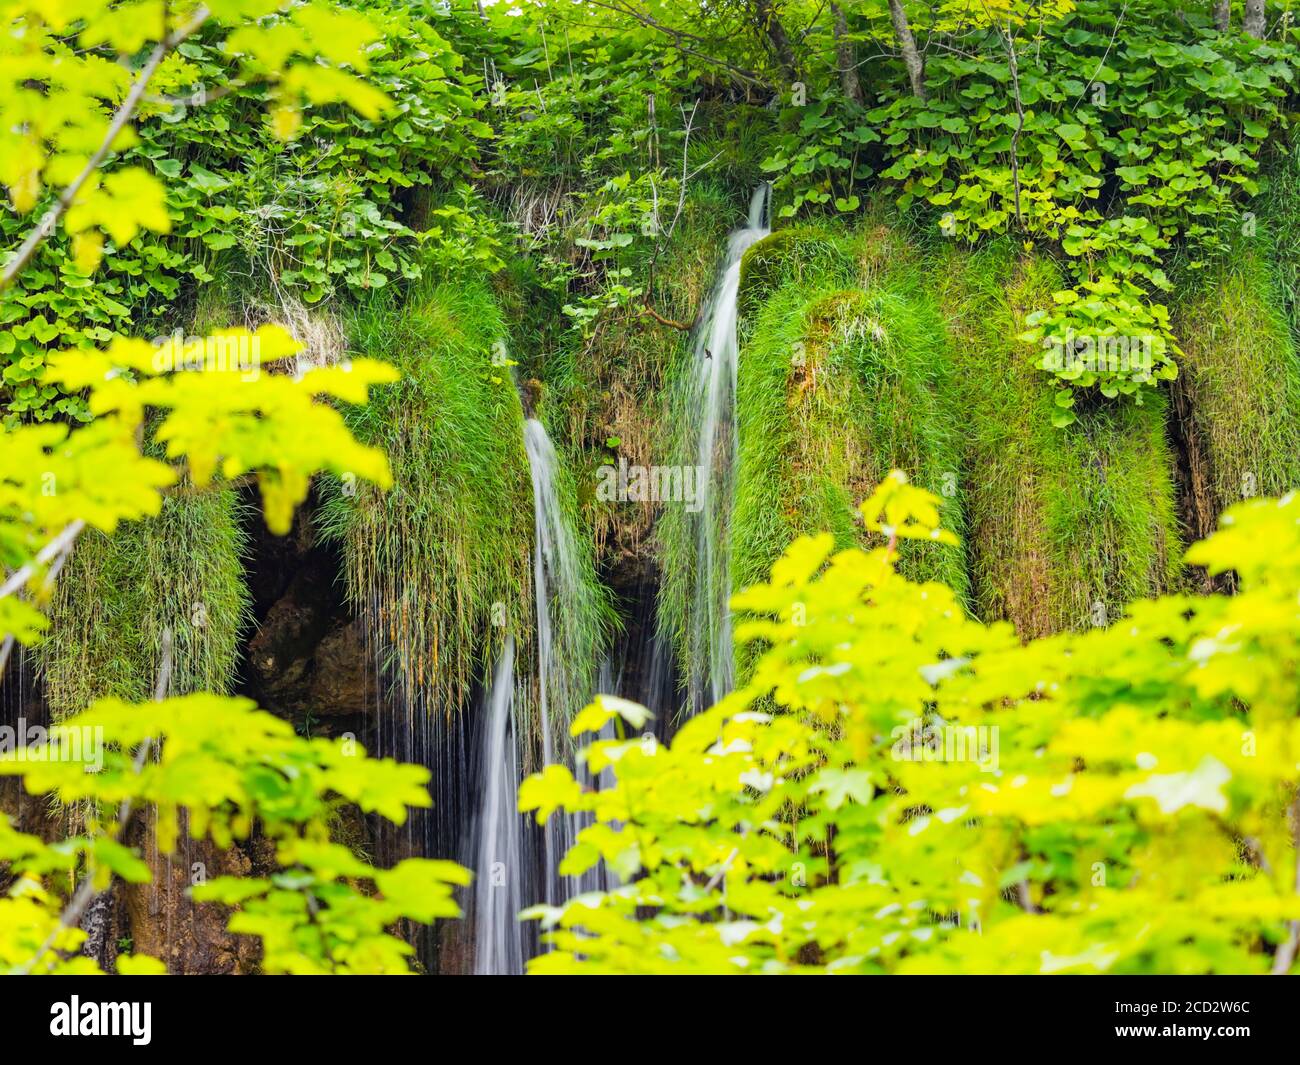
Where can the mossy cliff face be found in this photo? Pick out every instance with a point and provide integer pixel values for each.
(864, 351)
(1237, 398)
(1065, 526)
(182, 571)
(1238, 394)
(607, 392)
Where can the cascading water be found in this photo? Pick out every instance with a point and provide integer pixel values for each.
(561, 600)
(509, 874)
(713, 402)
(558, 590)
(501, 865)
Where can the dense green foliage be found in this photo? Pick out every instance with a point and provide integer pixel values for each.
(181, 572)
(1067, 526)
(1041, 259)
(927, 794)
(440, 562)
(845, 376)
(224, 765)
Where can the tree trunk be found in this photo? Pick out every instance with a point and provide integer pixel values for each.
(907, 44)
(1223, 15)
(777, 38)
(846, 56)
(1254, 20)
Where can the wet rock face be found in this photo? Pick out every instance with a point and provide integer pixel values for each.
(161, 920)
(307, 660)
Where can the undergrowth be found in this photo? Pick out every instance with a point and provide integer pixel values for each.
(181, 571)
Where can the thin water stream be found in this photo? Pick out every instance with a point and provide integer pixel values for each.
(713, 400)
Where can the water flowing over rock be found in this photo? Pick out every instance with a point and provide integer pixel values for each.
(501, 866)
(713, 401)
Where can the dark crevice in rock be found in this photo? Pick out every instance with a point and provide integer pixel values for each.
(306, 659)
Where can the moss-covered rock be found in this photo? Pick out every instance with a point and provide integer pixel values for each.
(1238, 393)
(836, 387)
(181, 571)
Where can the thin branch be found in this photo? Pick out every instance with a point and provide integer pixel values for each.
(1024, 899)
(1106, 54)
(47, 554)
(649, 311)
(123, 115)
(688, 122)
(62, 548)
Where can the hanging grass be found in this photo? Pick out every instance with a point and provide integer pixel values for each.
(183, 571)
(1066, 526)
(842, 378)
(1238, 392)
(438, 566)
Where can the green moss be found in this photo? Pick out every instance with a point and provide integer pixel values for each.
(798, 254)
(182, 570)
(606, 393)
(1066, 526)
(836, 387)
(842, 376)
(439, 565)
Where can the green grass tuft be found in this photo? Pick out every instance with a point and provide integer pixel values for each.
(438, 566)
(1238, 393)
(842, 377)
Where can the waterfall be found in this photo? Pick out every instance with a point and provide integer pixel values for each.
(563, 605)
(713, 403)
(508, 872)
(557, 584)
(501, 872)
(557, 587)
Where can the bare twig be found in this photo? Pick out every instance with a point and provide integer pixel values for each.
(650, 312)
(661, 236)
(56, 547)
(1024, 899)
(58, 550)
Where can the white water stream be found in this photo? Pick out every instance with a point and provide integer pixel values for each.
(713, 399)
